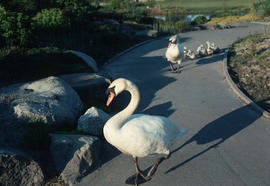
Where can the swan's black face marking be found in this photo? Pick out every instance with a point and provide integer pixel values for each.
(111, 89)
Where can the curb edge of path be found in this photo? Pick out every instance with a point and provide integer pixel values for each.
(238, 92)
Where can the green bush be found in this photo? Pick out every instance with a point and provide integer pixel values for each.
(199, 20)
(23, 6)
(13, 28)
(49, 19)
(170, 27)
(181, 26)
(266, 7)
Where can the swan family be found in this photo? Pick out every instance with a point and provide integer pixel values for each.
(139, 135)
(176, 52)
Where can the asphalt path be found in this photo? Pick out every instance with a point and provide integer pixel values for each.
(227, 142)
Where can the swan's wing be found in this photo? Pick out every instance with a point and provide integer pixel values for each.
(145, 134)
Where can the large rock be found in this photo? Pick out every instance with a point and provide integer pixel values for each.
(50, 100)
(93, 121)
(75, 156)
(18, 169)
(88, 85)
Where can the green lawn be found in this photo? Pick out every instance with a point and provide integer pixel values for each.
(206, 5)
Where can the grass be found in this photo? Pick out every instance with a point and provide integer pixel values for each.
(249, 66)
(207, 5)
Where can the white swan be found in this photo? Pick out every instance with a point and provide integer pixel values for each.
(214, 47)
(139, 135)
(191, 54)
(209, 49)
(201, 51)
(175, 52)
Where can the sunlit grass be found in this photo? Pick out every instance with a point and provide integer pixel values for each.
(205, 5)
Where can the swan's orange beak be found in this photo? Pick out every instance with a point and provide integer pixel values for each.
(110, 98)
(170, 43)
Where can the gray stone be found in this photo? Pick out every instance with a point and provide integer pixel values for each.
(18, 169)
(50, 100)
(74, 156)
(88, 85)
(93, 121)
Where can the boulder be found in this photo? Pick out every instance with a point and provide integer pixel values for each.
(74, 156)
(88, 85)
(50, 100)
(18, 169)
(93, 121)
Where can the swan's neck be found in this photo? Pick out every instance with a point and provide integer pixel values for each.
(116, 122)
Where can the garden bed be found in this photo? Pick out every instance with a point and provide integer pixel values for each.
(249, 67)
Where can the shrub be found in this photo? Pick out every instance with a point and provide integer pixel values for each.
(13, 28)
(51, 19)
(23, 6)
(199, 20)
(170, 27)
(266, 7)
(256, 7)
(181, 26)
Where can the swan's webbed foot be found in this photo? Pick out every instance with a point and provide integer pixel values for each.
(137, 178)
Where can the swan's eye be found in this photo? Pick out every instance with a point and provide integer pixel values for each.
(111, 89)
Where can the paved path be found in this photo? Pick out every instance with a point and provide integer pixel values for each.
(228, 142)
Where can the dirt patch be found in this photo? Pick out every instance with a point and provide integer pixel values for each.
(249, 67)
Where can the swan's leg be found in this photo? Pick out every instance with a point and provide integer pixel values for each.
(179, 65)
(138, 171)
(172, 68)
(155, 166)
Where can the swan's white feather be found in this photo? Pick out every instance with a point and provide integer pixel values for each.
(139, 135)
(143, 135)
(175, 52)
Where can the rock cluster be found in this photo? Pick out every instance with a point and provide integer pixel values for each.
(53, 102)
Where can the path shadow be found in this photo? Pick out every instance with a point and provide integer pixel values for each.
(159, 109)
(148, 73)
(220, 129)
(212, 59)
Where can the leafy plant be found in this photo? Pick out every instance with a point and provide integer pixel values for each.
(49, 19)
(199, 20)
(170, 27)
(266, 7)
(13, 28)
